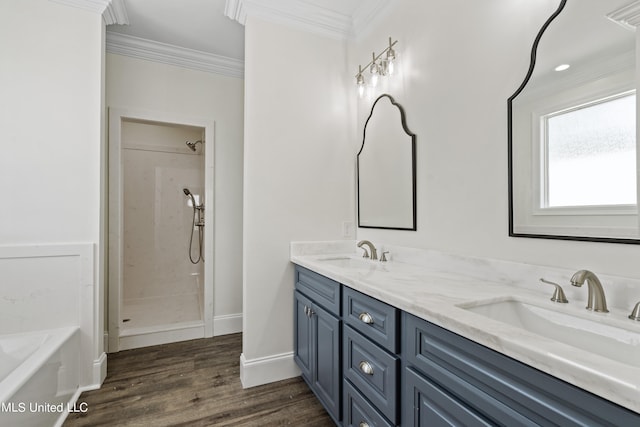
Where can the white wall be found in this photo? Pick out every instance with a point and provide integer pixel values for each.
(144, 85)
(461, 60)
(298, 178)
(50, 144)
(50, 81)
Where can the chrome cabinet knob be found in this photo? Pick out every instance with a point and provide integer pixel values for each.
(366, 318)
(366, 368)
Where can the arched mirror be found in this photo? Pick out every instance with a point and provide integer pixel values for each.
(387, 169)
(572, 128)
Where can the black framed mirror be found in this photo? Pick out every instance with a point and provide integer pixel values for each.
(386, 169)
(572, 171)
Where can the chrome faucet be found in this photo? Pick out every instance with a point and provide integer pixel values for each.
(372, 249)
(595, 298)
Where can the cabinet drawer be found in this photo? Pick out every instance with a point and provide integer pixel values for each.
(373, 371)
(323, 291)
(498, 386)
(358, 412)
(374, 319)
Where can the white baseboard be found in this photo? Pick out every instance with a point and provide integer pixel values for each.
(99, 370)
(268, 369)
(73, 404)
(227, 324)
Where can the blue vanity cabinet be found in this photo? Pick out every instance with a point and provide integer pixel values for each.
(450, 380)
(370, 361)
(371, 364)
(317, 337)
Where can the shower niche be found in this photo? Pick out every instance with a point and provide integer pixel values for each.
(160, 233)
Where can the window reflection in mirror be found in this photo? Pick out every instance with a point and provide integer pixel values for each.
(572, 130)
(598, 137)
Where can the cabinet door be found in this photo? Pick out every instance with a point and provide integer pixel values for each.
(303, 336)
(327, 378)
(427, 405)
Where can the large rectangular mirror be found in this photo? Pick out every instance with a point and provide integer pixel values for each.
(572, 128)
(387, 169)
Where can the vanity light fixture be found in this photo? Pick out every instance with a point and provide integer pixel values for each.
(380, 65)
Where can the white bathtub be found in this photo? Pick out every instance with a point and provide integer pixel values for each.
(39, 376)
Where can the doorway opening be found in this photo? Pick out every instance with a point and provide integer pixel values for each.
(160, 229)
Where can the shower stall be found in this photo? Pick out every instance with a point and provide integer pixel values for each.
(161, 254)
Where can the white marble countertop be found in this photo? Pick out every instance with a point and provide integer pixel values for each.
(436, 295)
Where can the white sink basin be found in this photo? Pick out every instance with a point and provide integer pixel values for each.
(616, 343)
(349, 262)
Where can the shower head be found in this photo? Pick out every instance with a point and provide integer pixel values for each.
(192, 145)
(189, 195)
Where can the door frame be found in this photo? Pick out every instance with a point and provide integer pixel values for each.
(115, 203)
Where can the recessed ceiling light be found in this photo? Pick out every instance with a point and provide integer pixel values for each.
(562, 67)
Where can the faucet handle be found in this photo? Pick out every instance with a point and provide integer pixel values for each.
(383, 257)
(558, 294)
(635, 314)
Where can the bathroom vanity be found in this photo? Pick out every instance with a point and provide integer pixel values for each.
(384, 344)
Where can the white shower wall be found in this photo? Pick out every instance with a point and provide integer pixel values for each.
(157, 218)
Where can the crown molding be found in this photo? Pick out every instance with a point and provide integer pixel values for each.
(149, 50)
(112, 11)
(116, 13)
(234, 10)
(628, 16)
(307, 16)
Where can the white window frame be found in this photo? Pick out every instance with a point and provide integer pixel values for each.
(539, 167)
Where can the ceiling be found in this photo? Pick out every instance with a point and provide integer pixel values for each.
(201, 25)
(194, 24)
(585, 34)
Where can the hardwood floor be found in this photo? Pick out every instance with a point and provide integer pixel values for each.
(193, 383)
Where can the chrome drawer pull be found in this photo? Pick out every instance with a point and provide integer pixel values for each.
(363, 424)
(366, 368)
(366, 318)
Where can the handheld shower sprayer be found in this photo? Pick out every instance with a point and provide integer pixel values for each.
(197, 211)
(189, 195)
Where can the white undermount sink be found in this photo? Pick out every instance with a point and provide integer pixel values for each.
(349, 262)
(613, 342)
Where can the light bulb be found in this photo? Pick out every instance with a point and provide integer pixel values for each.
(384, 67)
(374, 70)
(391, 66)
(391, 58)
(374, 79)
